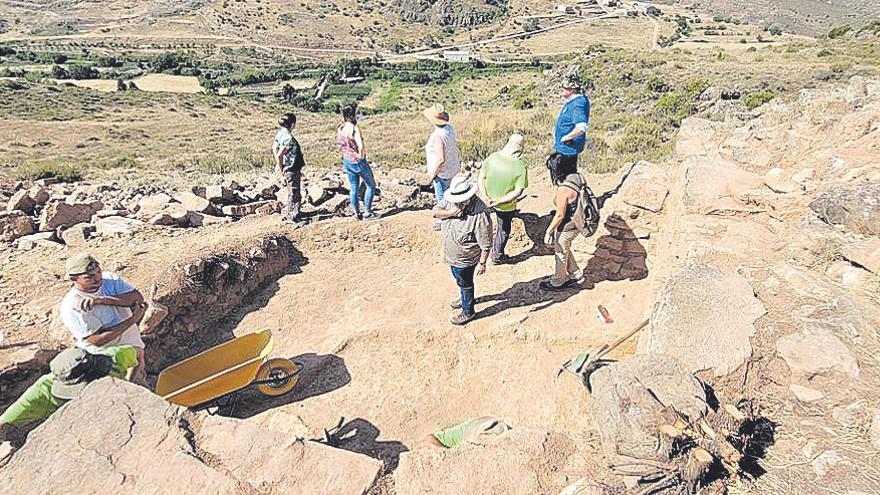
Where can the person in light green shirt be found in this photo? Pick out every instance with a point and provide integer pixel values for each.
(71, 371)
(503, 180)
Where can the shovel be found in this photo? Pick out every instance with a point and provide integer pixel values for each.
(585, 363)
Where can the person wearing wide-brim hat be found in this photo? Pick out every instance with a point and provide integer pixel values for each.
(70, 372)
(441, 151)
(467, 238)
(570, 131)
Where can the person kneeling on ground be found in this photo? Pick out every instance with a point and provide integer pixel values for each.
(478, 431)
(503, 180)
(467, 237)
(70, 372)
(102, 310)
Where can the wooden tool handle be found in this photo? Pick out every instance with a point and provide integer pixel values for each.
(614, 345)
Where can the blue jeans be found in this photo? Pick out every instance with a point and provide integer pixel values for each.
(357, 172)
(464, 278)
(440, 186)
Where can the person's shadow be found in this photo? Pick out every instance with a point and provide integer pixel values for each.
(522, 294)
(361, 436)
(535, 226)
(320, 374)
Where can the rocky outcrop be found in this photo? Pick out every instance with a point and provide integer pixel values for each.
(856, 208)
(14, 224)
(816, 350)
(459, 13)
(519, 462)
(704, 316)
(138, 443)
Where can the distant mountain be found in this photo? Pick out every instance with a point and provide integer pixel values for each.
(811, 17)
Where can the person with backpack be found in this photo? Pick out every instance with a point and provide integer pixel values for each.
(564, 227)
(354, 162)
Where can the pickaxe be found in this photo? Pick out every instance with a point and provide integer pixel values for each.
(585, 363)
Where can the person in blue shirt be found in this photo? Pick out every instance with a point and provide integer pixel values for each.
(570, 133)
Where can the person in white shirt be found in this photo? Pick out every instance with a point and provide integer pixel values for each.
(441, 152)
(103, 310)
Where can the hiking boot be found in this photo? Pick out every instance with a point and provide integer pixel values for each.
(462, 318)
(358, 216)
(456, 304)
(371, 216)
(548, 285)
(501, 260)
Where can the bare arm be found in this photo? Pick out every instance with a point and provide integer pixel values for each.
(507, 198)
(441, 153)
(482, 185)
(575, 133)
(563, 194)
(106, 335)
(359, 140)
(126, 300)
(279, 158)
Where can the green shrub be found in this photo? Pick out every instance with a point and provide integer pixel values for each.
(825, 52)
(755, 100)
(839, 32)
(82, 71)
(640, 136)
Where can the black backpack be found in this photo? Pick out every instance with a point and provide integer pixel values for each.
(586, 215)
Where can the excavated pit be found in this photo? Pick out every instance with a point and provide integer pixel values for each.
(202, 294)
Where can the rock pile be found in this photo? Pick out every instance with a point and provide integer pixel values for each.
(50, 214)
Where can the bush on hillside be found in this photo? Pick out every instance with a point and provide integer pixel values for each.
(757, 99)
(839, 32)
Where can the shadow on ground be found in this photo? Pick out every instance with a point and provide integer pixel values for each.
(361, 436)
(321, 374)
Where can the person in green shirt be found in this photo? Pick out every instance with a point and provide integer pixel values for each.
(476, 431)
(70, 372)
(503, 180)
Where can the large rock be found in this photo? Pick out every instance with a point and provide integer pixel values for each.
(62, 214)
(219, 194)
(519, 462)
(39, 195)
(172, 214)
(195, 203)
(136, 442)
(151, 205)
(815, 350)
(628, 401)
(645, 187)
(857, 208)
(30, 241)
(78, 235)
(21, 201)
(201, 220)
(704, 316)
(239, 211)
(117, 226)
(14, 224)
(864, 253)
(713, 185)
(285, 464)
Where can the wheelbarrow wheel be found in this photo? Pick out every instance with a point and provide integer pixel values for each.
(277, 376)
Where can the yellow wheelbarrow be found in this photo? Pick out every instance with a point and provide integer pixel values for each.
(210, 378)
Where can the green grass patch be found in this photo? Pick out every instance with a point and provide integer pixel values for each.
(755, 100)
(44, 169)
(389, 100)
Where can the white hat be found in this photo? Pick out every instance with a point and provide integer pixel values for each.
(460, 190)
